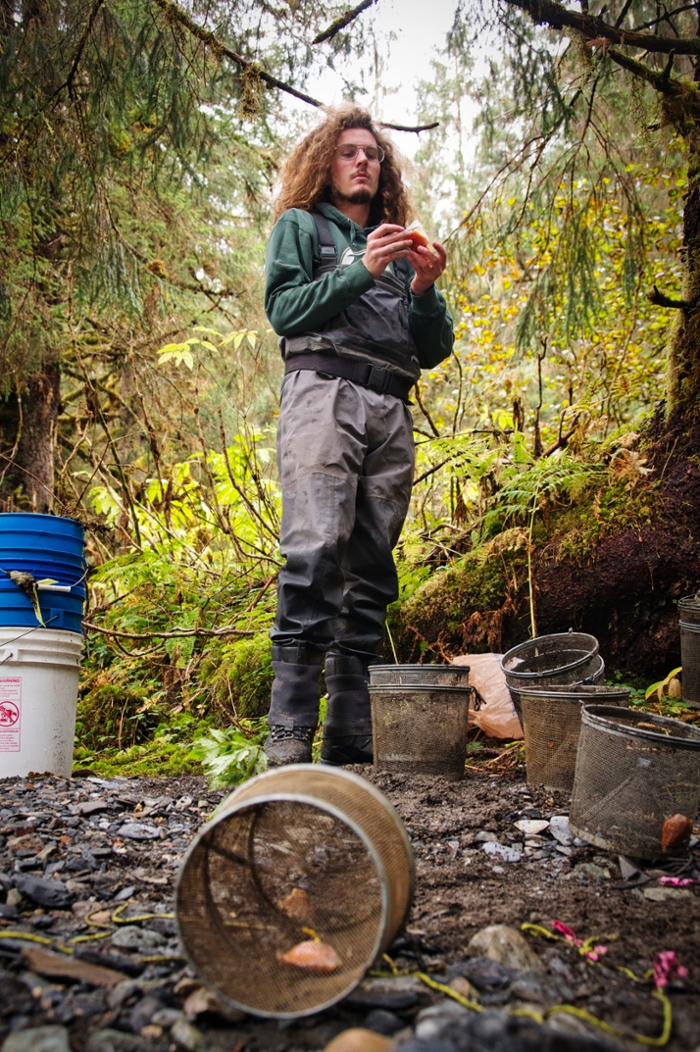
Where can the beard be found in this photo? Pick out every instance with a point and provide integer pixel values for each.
(361, 196)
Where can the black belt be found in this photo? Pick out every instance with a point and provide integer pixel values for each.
(362, 373)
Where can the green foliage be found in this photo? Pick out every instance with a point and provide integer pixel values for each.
(231, 756)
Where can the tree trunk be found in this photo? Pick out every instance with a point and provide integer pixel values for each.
(28, 435)
(683, 393)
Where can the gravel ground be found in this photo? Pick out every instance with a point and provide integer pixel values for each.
(89, 865)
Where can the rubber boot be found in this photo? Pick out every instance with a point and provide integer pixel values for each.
(347, 733)
(293, 713)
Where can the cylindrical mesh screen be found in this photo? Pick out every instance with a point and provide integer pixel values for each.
(420, 730)
(595, 676)
(690, 648)
(566, 657)
(419, 675)
(284, 862)
(552, 724)
(634, 771)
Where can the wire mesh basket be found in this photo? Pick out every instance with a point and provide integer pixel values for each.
(420, 730)
(566, 657)
(594, 678)
(303, 876)
(419, 675)
(689, 624)
(635, 773)
(552, 725)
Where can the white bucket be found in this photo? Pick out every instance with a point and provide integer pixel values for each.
(39, 670)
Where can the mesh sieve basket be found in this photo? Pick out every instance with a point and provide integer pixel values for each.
(420, 730)
(552, 724)
(300, 851)
(595, 676)
(419, 675)
(633, 772)
(689, 625)
(567, 657)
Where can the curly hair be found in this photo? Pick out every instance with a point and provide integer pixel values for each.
(305, 179)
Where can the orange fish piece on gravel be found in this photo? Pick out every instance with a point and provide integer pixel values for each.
(675, 830)
(311, 955)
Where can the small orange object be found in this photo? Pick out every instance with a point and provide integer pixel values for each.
(676, 829)
(312, 955)
(417, 234)
(297, 906)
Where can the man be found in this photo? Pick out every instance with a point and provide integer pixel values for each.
(358, 315)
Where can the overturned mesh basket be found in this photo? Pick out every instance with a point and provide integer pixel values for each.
(634, 772)
(689, 623)
(302, 854)
(549, 661)
(420, 729)
(552, 725)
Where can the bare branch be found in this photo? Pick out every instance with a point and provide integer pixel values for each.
(555, 15)
(344, 20)
(659, 298)
(168, 635)
(407, 128)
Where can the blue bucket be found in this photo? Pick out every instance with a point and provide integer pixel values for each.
(46, 546)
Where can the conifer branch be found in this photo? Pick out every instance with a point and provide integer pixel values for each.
(344, 20)
(664, 84)
(175, 14)
(555, 15)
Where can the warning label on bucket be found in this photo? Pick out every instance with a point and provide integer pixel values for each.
(10, 713)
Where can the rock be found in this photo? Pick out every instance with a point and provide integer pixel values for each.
(559, 828)
(90, 807)
(114, 1041)
(38, 1039)
(8, 912)
(167, 1017)
(357, 1039)
(416, 1045)
(133, 938)
(505, 945)
(139, 831)
(59, 966)
(628, 867)
(395, 994)
(485, 973)
(531, 826)
(434, 1022)
(14, 898)
(30, 842)
(143, 1011)
(503, 851)
(588, 869)
(51, 894)
(658, 894)
(202, 1000)
(463, 987)
(484, 837)
(383, 1022)
(535, 987)
(187, 1036)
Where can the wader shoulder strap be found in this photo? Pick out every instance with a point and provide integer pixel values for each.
(325, 239)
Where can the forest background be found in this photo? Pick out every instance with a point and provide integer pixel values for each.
(557, 481)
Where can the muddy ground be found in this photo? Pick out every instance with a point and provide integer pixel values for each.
(115, 846)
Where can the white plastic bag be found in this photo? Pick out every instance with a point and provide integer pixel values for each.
(496, 717)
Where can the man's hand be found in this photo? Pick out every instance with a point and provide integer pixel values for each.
(427, 265)
(384, 245)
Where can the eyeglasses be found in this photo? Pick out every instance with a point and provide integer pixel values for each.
(348, 151)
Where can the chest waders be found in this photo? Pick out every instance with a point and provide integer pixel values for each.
(346, 460)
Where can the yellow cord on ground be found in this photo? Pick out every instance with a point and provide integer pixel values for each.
(41, 939)
(118, 919)
(448, 991)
